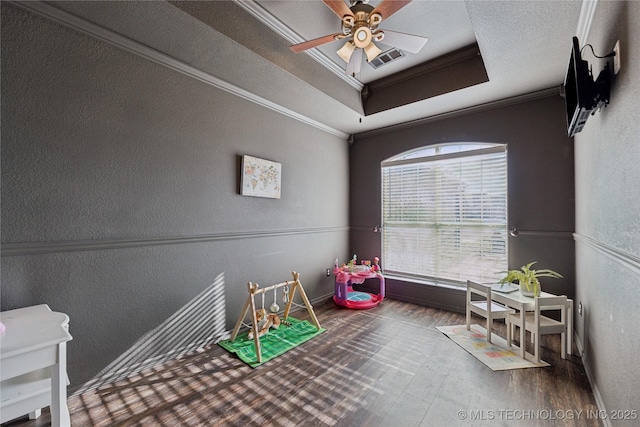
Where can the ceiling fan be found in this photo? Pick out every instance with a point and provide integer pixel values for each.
(360, 29)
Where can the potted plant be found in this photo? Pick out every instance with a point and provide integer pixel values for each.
(527, 278)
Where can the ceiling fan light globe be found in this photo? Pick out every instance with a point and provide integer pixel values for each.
(374, 20)
(346, 51)
(348, 20)
(372, 51)
(362, 37)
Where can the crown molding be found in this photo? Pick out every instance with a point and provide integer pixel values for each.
(545, 93)
(458, 56)
(447, 73)
(585, 20)
(264, 16)
(81, 25)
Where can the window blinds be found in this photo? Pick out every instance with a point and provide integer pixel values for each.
(445, 216)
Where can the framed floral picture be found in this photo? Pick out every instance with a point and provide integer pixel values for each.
(260, 178)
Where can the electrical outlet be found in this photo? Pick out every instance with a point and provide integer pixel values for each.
(328, 272)
(617, 61)
(580, 309)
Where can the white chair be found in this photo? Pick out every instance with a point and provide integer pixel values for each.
(538, 325)
(485, 307)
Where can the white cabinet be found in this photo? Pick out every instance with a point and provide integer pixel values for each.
(33, 363)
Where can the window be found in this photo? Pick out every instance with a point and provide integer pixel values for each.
(444, 213)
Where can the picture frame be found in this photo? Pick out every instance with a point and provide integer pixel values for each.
(260, 178)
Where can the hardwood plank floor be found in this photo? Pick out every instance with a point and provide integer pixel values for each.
(387, 366)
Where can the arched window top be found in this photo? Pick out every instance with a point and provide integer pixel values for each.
(445, 149)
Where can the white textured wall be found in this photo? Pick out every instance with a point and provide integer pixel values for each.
(608, 217)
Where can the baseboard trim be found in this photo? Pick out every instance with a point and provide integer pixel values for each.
(621, 258)
(126, 371)
(18, 249)
(594, 387)
(422, 302)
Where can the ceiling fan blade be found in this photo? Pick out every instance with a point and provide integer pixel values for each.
(353, 67)
(339, 7)
(406, 42)
(386, 8)
(316, 42)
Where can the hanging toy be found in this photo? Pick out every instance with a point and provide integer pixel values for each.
(264, 321)
(274, 307)
(285, 300)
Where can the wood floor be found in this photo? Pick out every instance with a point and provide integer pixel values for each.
(387, 366)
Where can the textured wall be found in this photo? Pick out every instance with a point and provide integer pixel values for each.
(203, 34)
(608, 217)
(120, 189)
(540, 187)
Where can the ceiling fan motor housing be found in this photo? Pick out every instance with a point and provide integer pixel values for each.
(361, 25)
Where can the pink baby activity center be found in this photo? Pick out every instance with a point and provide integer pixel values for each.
(352, 274)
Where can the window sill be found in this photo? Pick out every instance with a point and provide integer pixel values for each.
(418, 281)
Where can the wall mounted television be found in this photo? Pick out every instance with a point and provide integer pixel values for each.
(583, 97)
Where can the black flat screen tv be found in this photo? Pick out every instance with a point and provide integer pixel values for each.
(579, 91)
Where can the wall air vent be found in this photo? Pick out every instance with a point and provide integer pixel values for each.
(386, 57)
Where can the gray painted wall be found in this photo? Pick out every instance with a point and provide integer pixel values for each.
(540, 187)
(120, 189)
(608, 218)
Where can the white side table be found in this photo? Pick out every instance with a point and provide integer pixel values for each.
(33, 363)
